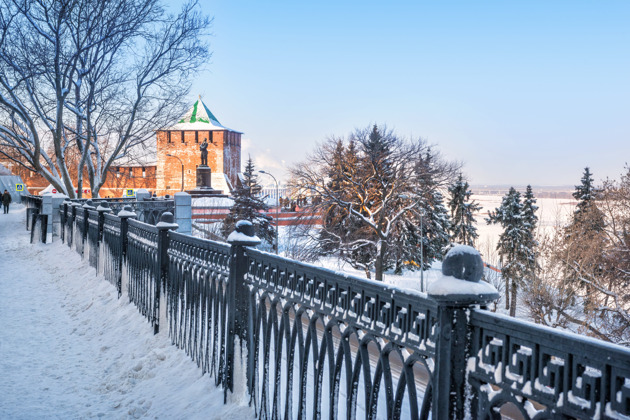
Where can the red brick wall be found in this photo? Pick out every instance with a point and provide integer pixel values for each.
(222, 157)
(121, 177)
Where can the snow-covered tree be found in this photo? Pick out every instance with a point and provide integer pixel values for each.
(587, 215)
(585, 275)
(249, 206)
(364, 219)
(530, 223)
(436, 225)
(512, 247)
(83, 82)
(463, 230)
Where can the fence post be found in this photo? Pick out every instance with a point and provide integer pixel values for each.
(238, 310)
(455, 292)
(183, 212)
(74, 207)
(47, 209)
(63, 217)
(142, 195)
(125, 214)
(57, 209)
(87, 206)
(102, 208)
(166, 223)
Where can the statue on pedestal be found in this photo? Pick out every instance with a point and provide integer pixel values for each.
(204, 153)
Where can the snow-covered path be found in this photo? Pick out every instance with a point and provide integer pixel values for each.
(69, 348)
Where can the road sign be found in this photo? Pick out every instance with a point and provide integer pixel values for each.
(19, 187)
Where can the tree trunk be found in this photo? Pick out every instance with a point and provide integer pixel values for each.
(513, 299)
(380, 258)
(507, 293)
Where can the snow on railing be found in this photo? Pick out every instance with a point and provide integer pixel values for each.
(299, 339)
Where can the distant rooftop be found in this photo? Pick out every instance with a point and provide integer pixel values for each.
(199, 117)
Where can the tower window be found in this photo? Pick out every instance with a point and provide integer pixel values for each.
(168, 136)
(144, 172)
(210, 136)
(196, 136)
(182, 137)
(130, 172)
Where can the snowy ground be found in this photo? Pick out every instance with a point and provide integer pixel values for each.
(70, 349)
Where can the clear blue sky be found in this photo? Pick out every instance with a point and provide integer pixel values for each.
(520, 91)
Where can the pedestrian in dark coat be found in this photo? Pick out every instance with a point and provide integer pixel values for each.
(6, 200)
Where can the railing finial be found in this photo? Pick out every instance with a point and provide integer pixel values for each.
(244, 234)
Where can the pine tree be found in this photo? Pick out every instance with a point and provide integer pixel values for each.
(530, 222)
(512, 249)
(334, 216)
(463, 230)
(585, 239)
(372, 219)
(247, 206)
(377, 167)
(436, 227)
(432, 220)
(586, 213)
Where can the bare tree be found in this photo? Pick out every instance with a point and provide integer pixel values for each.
(91, 79)
(584, 278)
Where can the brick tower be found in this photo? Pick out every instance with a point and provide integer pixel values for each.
(182, 141)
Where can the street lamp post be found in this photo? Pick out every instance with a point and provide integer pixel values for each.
(277, 206)
(182, 163)
(422, 287)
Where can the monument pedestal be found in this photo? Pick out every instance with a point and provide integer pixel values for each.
(204, 184)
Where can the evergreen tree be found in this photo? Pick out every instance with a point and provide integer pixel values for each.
(431, 220)
(512, 247)
(586, 214)
(334, 216)
(582, 252)
(463, 230)
(436, 225)
(248, 206)
(377, 167)
(370, 203)
(530, 222)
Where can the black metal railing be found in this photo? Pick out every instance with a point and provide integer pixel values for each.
(545, 373)
(334, 330)
(33, 205)
(143, 264)
(114, 243)
(147, 211)
(310, 342)
(92, 237)
(39, 227)
(197, 300)
(80, 229)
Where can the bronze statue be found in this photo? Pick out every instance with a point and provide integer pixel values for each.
(204, 153)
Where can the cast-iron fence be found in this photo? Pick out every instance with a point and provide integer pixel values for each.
(303, 341)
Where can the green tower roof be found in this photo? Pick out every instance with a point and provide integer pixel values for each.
(199, 117)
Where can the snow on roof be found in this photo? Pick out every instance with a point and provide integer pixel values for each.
(218, 202)
(199, 117)
(220, 181)
(140, 155)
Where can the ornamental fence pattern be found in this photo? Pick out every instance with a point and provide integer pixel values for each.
(307, 342)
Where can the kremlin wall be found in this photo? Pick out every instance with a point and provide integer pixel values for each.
(161, 173)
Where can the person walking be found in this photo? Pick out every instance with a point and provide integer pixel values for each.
(6, 200)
